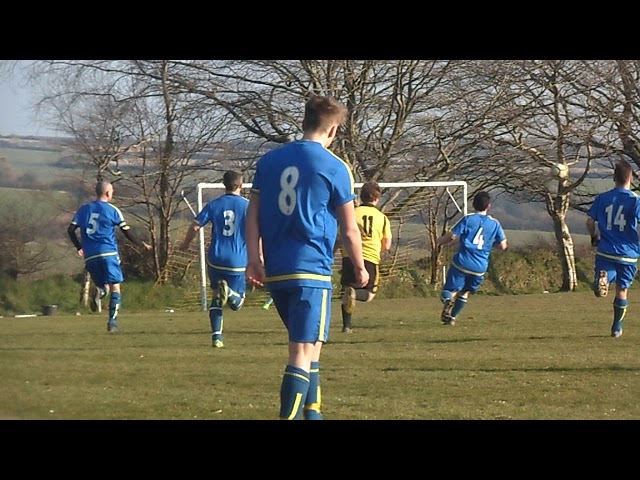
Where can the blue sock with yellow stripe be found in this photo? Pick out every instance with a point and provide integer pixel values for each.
(293, 392)
(215, 319)
(619, 309)
(312, 410)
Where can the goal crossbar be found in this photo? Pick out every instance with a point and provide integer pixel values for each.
(204, 185)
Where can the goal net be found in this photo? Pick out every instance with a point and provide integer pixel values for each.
(417, 211)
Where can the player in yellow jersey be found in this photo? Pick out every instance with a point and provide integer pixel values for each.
(375, 230)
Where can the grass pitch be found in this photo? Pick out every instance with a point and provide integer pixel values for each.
(526, 357)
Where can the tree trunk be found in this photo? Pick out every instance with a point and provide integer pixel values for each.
(85, 291)
(566, 252)
(85, 288)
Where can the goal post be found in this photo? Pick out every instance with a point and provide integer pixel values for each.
(409, 206)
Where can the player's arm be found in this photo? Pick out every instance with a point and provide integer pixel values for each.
(191, 234)
(502, 245)
(446, 238)
(352, 241)
(255, 269)
(126, 229)
(386, 236)
(592, 228)
(71, 231)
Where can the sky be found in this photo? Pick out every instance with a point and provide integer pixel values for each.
(17, 116)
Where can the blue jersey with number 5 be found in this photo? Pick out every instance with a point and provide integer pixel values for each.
(478, 234)
(617, 212)
(300, 186)
(97, 221)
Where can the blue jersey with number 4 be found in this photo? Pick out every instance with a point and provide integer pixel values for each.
(478, 234)
(300, 186)
(228, 248)
(617, 212)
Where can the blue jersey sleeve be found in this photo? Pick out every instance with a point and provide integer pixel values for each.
(204, 216)
(459, 228)
(500, 235)
(593, 210)
(343, 186)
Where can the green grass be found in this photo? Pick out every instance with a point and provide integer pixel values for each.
(40, 163)
(519, 357)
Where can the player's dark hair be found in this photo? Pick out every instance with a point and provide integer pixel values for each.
(622, 172)
(101, 188)
(322, 112)
(232, 180)
(370, 192)
(481, 201)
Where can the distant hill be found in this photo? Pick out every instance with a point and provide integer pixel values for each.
(42, 160)
(53, 144)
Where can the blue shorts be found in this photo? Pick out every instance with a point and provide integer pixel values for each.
(305, 312)
(457, 280)
(237, 282)
(620, 273)
(105, 270)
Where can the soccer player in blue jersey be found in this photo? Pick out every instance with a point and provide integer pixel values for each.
(477, 234)
(97, 222)
(301, 194)
(612, 221)
(227, 255)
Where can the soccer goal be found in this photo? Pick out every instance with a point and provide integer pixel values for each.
(414, 209)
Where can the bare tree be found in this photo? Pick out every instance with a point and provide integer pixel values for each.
(131, 123)
(406, 119)
(548, 126)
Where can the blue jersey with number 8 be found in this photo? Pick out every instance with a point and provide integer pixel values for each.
(300, 186)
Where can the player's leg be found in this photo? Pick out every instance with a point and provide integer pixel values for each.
(306, 312)
(453, 284)
(113, 279)
(624, 278)
(97, 271)
(368, 292)
(115, 300)
(604, 273)
(236, 290)
(313, 402)
(215, 310)
(471, 285)
(348, 304)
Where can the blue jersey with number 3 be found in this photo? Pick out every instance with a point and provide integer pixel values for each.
(478, 234)
(228, 249)
(300, 186)
(617, 212)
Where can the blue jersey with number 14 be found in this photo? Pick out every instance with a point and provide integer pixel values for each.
(478, 234)
(301, 184)
(617, 212)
